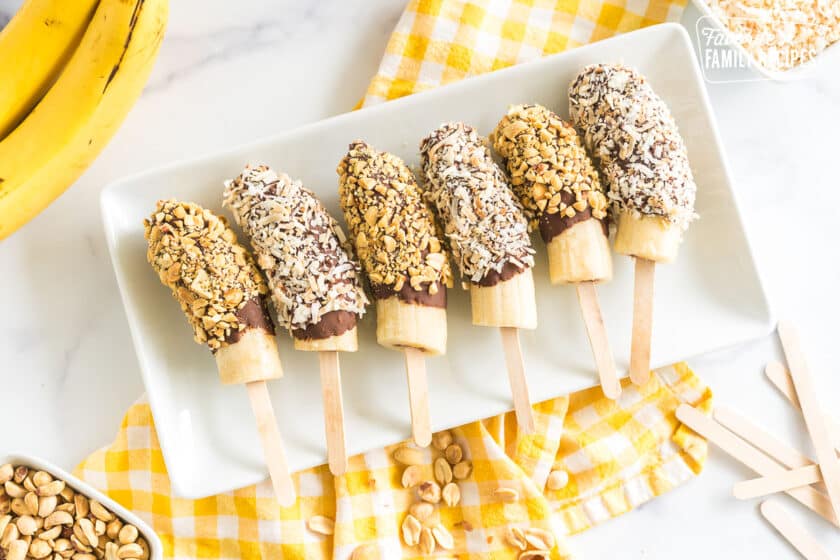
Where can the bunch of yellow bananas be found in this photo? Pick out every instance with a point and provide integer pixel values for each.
(69, 73)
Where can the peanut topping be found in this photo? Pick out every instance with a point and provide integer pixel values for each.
(549, 169)
(630, 130)
(196, 255)
(484, 223)
(301, 248)
(392, 227)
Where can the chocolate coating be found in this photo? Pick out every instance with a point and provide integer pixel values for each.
(509, 270)
(332, 323)
(409, 295)
(552, 225)
(252, 315)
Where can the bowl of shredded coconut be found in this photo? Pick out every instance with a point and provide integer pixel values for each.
(781, 38)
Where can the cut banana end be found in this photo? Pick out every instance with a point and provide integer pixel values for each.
(580, 254)
(511, 303)
(253, 357)
(345, 342)
(401, 325)
(648, 237)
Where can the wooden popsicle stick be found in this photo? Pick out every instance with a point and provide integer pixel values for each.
(418, 396)
(785, 480)
(779, 376)
(743, 452)
(516, 375)
(756, 436)
(642, 321)
(814, 420)
(598, 339)
(275, 456)
(794, 533)
(333, 411)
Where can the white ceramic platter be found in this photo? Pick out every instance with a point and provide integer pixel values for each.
(712, 297)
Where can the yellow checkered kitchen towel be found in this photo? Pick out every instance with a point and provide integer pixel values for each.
(616, 455)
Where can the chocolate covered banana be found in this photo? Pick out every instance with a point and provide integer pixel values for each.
(484, 226)
(220, 290)
(315, 282)
(630, 131)
(642, 157)
(214, 279)
(559, 188)
(487, 234)
(557, 184)
(399, 248)
(397, 243)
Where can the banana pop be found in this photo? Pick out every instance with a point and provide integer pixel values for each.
(404, 259)
(488, 236)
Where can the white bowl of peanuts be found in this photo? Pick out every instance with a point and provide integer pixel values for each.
(47, 513)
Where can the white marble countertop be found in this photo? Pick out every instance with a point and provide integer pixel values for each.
(68, 368)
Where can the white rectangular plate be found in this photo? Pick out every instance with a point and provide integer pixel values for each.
(712, 296)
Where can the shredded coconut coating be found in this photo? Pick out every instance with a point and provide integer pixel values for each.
(781, 34)
(196, 255)
(300, 247)
(393, 229)
(630, 130)
(483, 222)
(545, 159)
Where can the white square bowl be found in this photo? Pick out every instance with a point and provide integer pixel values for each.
(795, 73)
(710, 298)
(155, 546)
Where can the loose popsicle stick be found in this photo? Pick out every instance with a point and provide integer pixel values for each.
(642, 321)
(779, 376)
(759, 438)
(598, 340)
(333, 411)
(795, 534)
(516, 375)
(785, 480)
(743, 452)
(814, 420)
(418, 396)
(275, 456)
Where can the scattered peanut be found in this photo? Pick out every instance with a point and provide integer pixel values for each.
(411, 529)
(317, 524)
(429, 491)
(462, 470)
(412, 476)
(409, 455)
(557, 480)
(440, 440)
(454, 454)
(506, 494)
(443, 472)
(365, 552)
(443, 537)
(451, 494)
(427, 542)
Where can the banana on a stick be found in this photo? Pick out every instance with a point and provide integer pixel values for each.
(222, 295)
(488, 236)
(315, 283)
(396, 241)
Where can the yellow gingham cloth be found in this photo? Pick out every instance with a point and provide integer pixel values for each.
(618, 455)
